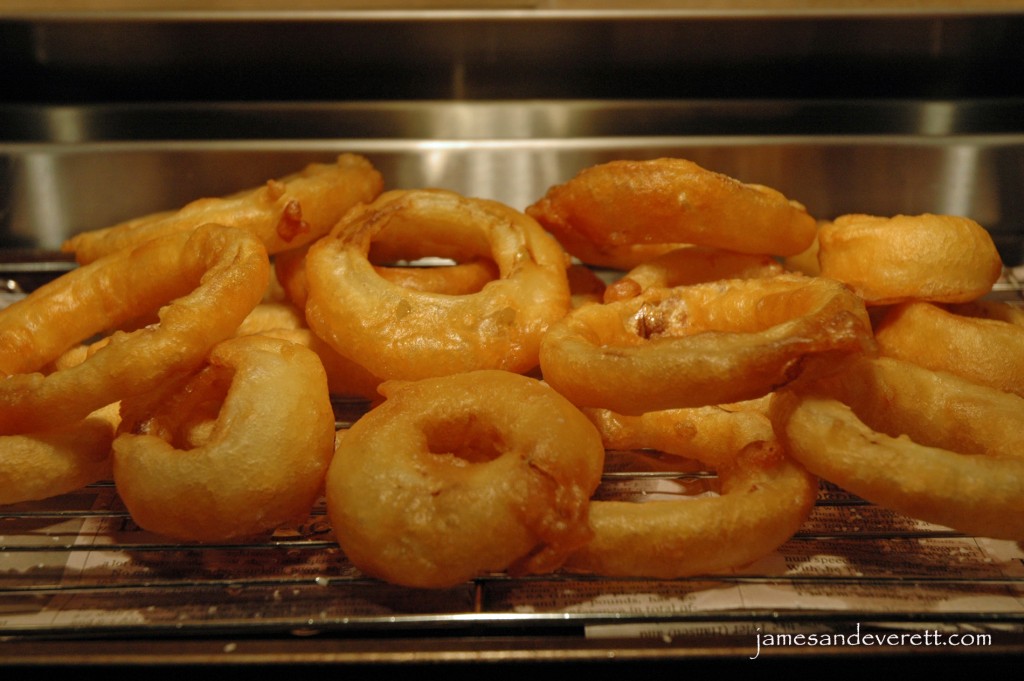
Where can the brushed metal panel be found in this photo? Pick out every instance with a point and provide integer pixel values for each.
(51, 191)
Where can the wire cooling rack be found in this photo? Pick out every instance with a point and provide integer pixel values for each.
(75, 568)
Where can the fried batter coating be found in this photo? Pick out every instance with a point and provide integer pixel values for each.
(454, 477)
(672, 201)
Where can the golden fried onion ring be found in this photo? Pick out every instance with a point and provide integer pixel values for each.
(61, 459)
(453, 477)
(610, 256)
(58, 460)
(711, 434)
(691, 265)
(207, 280)
(670, 200)
(585, 286)
(283, 320)
(763, 500)
(345, 378)
(806, 261)
(269, 316)
(395, 332)
(973, 340)
(928, 444)
(697, 345)
(241, 448)
(284, 213)
(937, 258)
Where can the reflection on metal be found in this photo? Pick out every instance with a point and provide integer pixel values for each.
(893, 158)
(503, 120)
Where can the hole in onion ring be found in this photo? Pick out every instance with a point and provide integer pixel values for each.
(464, 437)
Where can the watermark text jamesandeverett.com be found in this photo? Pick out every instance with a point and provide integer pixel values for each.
(857, 639)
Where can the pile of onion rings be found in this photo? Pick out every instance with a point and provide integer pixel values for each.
(157, 347)
(737, 332)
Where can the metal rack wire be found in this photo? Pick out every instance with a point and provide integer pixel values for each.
(76, 573)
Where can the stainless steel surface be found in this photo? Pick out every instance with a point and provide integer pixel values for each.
(85, 167)
(82, 123)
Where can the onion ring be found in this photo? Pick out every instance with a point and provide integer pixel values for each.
(240, 448)
(671, 200)
(461, 475)
(711, 434)
(698, 345)
(806, 261)
(609, 256)
(284, 213)
(937, 258)
(764, 499)
(345, 378)
(690, 265)
(210, 279)
(928, 444)
(290, 274)
(971, 340)
(46, 463)
(397, 333)
(584, 285)
(271, 316)
(58, 460)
